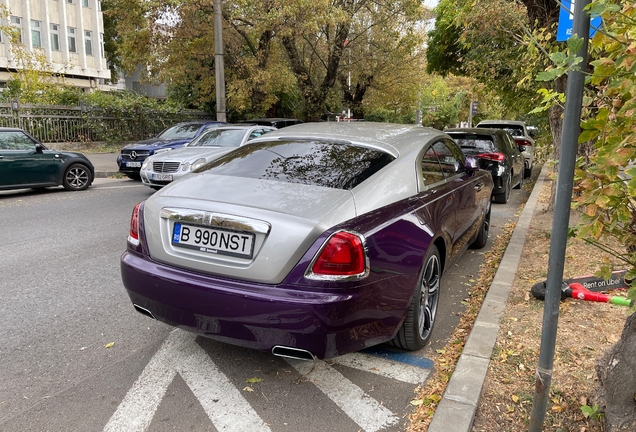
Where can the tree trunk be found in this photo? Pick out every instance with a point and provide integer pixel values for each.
(615, 371)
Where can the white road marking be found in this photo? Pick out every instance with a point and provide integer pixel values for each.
(384, 367)
(179, 353)
(362, 408)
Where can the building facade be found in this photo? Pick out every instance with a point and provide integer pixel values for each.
(69, 32)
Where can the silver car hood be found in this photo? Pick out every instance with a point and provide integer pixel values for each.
(190, 154)
(296, 215)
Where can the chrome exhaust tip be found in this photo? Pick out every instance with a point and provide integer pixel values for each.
(144, 311)
(293, 353)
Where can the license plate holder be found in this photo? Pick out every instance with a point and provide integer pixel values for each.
(213, 240)
(133, 164)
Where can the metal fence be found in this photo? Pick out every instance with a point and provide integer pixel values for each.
(53, 123)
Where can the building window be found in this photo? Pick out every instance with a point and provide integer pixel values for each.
(55, 37)
(71, 40)
(85, 3)
(69, 1)
(17, 23)
(36, 38)
(101, 44)
(88, 42)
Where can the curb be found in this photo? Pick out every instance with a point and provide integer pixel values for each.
(456, 411)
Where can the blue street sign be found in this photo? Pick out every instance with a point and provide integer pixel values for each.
(566, 20)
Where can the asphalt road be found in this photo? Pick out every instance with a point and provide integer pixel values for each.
(63, 305)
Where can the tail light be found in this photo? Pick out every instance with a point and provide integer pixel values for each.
(342, 257)
(133, 236)
(499, 157)
(523, 142)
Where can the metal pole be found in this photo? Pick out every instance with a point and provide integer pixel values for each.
(219, 64)
(558, 240)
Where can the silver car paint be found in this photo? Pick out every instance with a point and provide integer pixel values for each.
(297, 213)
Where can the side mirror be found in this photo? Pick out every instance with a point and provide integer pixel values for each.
(522, 148)
(472, 164)
(39, 148)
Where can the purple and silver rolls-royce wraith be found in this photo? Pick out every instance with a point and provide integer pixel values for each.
(311, 241)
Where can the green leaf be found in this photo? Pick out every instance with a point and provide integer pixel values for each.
(253, 380)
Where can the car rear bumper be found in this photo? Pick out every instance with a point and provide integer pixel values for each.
(260, 316)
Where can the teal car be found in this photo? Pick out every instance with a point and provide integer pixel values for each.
(26, 163)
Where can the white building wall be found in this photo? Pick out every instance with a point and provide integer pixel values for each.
(81, 69)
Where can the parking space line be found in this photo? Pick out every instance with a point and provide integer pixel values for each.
(359, 406)
(388, 368)
(222, 402)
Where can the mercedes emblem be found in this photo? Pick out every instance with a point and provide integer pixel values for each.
(133, 155)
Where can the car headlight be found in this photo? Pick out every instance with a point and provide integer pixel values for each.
(197, 164)
(163, 150)
(145, 164)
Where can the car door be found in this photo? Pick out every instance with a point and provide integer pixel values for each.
(24, 162)
(465, 190)
(515, 155)
(435, 201)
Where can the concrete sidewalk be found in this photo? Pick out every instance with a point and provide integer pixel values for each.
(456, 410)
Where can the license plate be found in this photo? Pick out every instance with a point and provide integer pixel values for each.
(163, 177)
(133, 164)
(213, 240)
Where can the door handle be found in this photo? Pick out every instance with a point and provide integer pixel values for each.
(478, 186)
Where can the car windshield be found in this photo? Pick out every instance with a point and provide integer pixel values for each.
(317, 163)
(15, 140)
(478, 142)
(220, 138)
(180, 131)
(512, 130)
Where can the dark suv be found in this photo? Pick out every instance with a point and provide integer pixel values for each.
(498, 153)
(132, 156)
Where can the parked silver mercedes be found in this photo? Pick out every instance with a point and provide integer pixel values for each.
(166, 166)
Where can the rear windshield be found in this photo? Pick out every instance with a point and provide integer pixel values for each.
(181, 131)
(512, 130)
(317, 163)
(477, 142)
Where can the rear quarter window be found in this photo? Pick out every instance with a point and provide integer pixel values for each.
(317, 163)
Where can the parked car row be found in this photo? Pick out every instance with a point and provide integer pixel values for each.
(310, 241)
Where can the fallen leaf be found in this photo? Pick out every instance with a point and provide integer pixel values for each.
(417, 402)
(109, 345)
(249, 389)
(441, 351)
(510, 409)
(515, 398)
(253, 380)
(557, 408)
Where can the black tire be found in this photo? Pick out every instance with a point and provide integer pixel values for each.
(502, 198)
(527, 172)
(520, 182)
(134, 176)
(77, 177)
(482, 237)
(417, 327)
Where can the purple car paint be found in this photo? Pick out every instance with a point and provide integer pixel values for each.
(327, 317)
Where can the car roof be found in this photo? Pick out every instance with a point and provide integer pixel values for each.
(481, 131)
(503, 122)
(391, 137)
(11, 129)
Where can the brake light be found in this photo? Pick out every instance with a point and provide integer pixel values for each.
(523, 142)
(133, 236)
(499, 157)
(342, 256)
